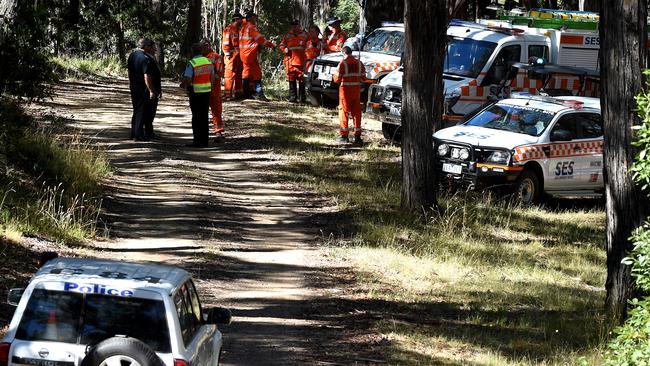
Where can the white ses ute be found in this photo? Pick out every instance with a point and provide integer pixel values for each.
(85, 312)
(534, 144)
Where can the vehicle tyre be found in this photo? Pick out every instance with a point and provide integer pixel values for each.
(121, 351)
(391, 132)
(528, 189)
(314, 100)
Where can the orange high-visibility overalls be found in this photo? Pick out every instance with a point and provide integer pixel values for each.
(215, 94)
(233, 65)
(293, 45)
(335, 41)
(350, 74)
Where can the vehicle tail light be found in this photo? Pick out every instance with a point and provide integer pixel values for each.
(4, 353)
(177, 362)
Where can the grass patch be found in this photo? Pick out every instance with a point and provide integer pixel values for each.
(51, 181)
(483, 282)
(88, 67)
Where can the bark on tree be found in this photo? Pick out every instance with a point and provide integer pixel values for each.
(592, 5)
(425, 40)
(623, 56)
(302, 12)
(73, 17)
(119, 46)
(193, 31)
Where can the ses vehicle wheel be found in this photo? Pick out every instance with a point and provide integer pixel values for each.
(121, 351)
(528, 188)
(391, 132)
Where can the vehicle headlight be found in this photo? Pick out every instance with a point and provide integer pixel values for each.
(450, 101)
(443, 149)
(464, 154)
(499, 157)
(455, 153)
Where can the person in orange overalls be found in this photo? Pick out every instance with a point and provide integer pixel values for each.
(250, 39)
(336, 37)
(315, 46)
(232, 84)
(349, 74)
(215, 94)
(293, 46)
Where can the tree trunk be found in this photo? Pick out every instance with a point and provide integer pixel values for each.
(624, 56)
(592, 5)
(378, 11)
(302, 12)
(422, 99)
(193, 31)
(72, 20)
(120, 47)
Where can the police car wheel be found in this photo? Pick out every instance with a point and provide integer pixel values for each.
(528, 188)
(121, 351)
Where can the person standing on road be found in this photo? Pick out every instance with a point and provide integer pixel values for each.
(215, 95)
(350, 73)
(198, 78)
(230, 45)
(336, 37)
(145, 88)
(250, 39)
(293, 46)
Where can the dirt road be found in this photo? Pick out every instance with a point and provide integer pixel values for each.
(250, 243)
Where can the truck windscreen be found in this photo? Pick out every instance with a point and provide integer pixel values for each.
(385, 41)
(466, 57)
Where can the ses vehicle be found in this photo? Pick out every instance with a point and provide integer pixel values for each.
(86, 312)
(478, 64)
(380, 52)
(535, 144)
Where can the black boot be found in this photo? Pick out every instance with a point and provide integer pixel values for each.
(247, 91)
(293, 97)
(302, 97)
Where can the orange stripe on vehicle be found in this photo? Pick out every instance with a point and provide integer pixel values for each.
(566, 39)
(564, 84)
(480, 91)
(509, 168)
(464, 90)
(473, 82)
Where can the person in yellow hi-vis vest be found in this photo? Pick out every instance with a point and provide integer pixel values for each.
(198, 79)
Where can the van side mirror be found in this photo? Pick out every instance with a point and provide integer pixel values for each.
(218, 316)
(561, 135)
(14, 296)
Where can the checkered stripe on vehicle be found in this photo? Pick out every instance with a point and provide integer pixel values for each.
(385, 66)
(531, 152)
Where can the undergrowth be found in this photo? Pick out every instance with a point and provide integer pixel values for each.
(50, 184)
(482, 281)
(89, 67)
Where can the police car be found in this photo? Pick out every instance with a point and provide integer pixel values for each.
(535, 144)
(87, 312)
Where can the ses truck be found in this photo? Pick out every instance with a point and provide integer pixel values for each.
(478, 65)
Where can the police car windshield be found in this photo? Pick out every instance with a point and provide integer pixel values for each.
(385, 41)
(466, 57)
(73, 317)
(518, 119)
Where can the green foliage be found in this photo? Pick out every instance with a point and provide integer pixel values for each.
(24, 65)
(641, 166)
(630, 346)
(49, 185)
(348, 11)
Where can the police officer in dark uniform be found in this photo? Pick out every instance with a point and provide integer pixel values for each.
(145, 87)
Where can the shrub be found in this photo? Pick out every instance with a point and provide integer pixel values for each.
(631, 344)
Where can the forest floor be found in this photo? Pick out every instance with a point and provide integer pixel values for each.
(251, 242)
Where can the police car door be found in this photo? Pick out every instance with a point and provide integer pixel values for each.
(566, 162)
(196, 337)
